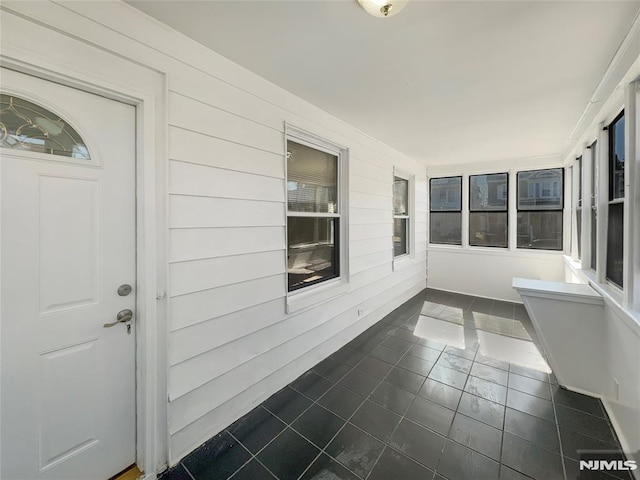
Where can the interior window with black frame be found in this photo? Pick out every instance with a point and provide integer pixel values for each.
(594, 204)
(445, 210)
(615, 222)
(540, 207)
(401, 219)
(313, 216)
(488, 204)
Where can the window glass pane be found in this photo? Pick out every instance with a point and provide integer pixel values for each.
(579, 167)
(400, 196)
(488, 192)
(312, 250)
(594, 237)
(579, 229)
(615, 243)
(594, 171)
(488, 229)
(446, 193)
(540, 189)
(616, 159)
(400, 235)
(540, 230)
(312, 179)
(446, 227)
(27, 126)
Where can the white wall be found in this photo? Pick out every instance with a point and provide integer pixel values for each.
(231, 344)
(485, 271)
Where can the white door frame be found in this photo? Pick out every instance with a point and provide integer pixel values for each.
(151, 245)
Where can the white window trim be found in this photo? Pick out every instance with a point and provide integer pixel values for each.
(411, 217)
(316, 294)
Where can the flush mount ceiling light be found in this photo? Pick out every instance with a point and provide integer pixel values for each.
(383, 8)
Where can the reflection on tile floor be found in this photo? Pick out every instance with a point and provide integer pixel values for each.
(446, 386)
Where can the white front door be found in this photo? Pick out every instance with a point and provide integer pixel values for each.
(67, 245)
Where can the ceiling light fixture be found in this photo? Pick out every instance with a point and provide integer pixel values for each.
(383, 8)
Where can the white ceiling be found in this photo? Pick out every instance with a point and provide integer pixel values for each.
(444, 82)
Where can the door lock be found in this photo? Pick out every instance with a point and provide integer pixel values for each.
(124, 290)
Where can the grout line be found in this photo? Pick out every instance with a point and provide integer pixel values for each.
(187, 470)
(253, 457)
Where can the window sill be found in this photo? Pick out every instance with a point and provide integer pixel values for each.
(496, 251)
(612, 295)
(315, 295)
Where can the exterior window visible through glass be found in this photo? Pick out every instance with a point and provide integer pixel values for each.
(27, 126)
(313, 217)
(445, 210)
(615, 223)
(579, 206)
(400, 216)
(594, 204)
(540, 205)
(488, 200)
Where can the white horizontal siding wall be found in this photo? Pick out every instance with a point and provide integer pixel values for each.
(231, 344)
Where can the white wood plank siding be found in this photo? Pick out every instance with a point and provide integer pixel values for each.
(231, 344)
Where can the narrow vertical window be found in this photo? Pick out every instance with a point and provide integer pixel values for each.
(594, 204)
(313, 215)
(615, 223)
(445, 211)
(401, 216)
(540, 209)
(579, 206)
(488, 200)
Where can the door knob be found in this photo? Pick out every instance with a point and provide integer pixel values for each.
(124, 316)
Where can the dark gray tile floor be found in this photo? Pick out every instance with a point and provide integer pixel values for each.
(423, 394)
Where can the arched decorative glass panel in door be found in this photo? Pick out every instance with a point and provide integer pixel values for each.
(27, 126)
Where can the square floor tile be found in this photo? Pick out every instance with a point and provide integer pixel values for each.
(392, 397)
(312, 385)
(577, 401)
(467, 353)
(324, 468)
(416, 365)
(288, 455)
(490, 373)
(502, 309)
(584, 423)
(355, 449)
(574, 472)
(374, 367)
(396, 466)
(531, 459)
(507, 473)
(417, 442)
(217, 459)
(256, 429)
(425, 353)
(332, 369)
(427, 342)
(287, 404)
(404, 334)
(529, 385)
(431, 415)
(441, 393)
(387, 354)
(574, 442)
(462, 463)
(318, 425)
(341, 401)
(532, 405)
(405, 379)
(477, 436)
(483, 410)
(176, 472)
(528, 372)
(486, 389)
(348, 355)
(454, 362)
(533, 429)
(492, 362)
(360, 382)
(253, 471)
(376, 420)
(450, 377)
(398, 344)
